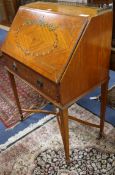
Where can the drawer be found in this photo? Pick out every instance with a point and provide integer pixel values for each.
(47, 87)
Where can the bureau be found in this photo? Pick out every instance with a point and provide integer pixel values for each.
(63, 53)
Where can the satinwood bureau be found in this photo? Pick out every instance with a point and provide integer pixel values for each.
(63, 52)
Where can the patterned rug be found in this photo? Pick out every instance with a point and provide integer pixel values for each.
(111, 97)
(28, 98)
(41, 152)
(91, 101)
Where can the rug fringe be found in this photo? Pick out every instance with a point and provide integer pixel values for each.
(4, 27)
(25, 132)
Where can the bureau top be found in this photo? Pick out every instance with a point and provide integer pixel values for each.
(43, 36)
(65, 9)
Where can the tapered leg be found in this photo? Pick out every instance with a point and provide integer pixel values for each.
(104, 90)
(65, 131)
(13, 85)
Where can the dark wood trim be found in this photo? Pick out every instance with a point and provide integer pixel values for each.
(113, 35)
(104, 90)
(5, 12)
(7, 21)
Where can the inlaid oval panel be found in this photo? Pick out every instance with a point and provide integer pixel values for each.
(36, 40)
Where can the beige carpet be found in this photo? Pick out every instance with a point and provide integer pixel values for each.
(41, 152)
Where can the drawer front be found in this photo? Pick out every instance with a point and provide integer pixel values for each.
(42, 84)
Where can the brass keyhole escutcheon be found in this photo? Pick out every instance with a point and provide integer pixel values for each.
(40, 83)
(14, 66)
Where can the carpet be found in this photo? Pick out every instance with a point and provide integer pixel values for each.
(111, 97)
(41, 152)
(91, 102)
(9, 114)
(3, 33)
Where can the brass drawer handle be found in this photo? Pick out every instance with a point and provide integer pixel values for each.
(40, 83)
(14, 66)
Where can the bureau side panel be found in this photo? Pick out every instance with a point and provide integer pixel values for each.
(90, 62)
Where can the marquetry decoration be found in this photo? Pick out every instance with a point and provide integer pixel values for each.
(31, 45)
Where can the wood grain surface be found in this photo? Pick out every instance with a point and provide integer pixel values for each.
(43, 41)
